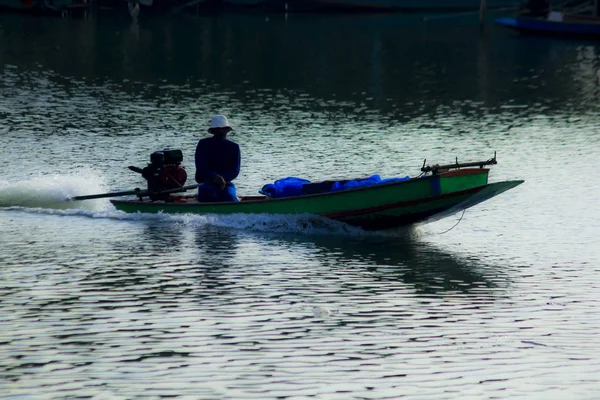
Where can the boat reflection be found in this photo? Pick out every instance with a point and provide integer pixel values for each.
(407, 258)
(133, 263)
(220, 259)
(162, 237)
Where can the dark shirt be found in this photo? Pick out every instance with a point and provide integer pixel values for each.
(216, 156)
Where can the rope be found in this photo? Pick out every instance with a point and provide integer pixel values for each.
(460, 219)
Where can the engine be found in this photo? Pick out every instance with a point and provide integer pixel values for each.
(163, 173)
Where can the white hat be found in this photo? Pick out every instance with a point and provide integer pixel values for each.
(219, 121)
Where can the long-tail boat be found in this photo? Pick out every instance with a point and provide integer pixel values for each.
(439, 191)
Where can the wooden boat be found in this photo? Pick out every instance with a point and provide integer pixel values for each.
(439, 192)
(570, 26)
(54, 7)
(373, 5)
(414, 5)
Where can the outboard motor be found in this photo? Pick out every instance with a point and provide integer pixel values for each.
(163, 173)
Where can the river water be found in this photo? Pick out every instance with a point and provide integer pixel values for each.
(501, 302)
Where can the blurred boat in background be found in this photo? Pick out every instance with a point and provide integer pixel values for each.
(573, 19)
(373, 5)
(69, 7)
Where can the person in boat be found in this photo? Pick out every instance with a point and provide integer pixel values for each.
(218, 163)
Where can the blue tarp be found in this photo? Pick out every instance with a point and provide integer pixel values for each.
(370, 181)
(286, 187)
(292, 186)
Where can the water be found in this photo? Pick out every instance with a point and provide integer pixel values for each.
(501, 303)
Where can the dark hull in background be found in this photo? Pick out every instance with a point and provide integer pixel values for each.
(585, 28)
(46, 7)
(370, 5)
(69, 7)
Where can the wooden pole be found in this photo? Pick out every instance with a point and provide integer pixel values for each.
(137, 192)
(482, 7)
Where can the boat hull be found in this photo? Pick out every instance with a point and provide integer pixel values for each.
(578, 28)
(378, 207)
(424, 210)
(55, 7)
(413, 5)
(372, 5)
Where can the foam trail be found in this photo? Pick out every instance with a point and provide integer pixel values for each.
(297, 224)
(51, 191)
(303, 224)
(48, 195)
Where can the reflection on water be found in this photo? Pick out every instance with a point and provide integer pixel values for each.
(217, 244)
(404, 258)
(217, 253)
(162, 238)
(394, 64)
(256, 307)
(200, 309)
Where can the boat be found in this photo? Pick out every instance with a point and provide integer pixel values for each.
(374, 5)
(439, 191)
(62, 8)
(576, 19)
(568, 26)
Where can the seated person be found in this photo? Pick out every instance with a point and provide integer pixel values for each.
(217, 163)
